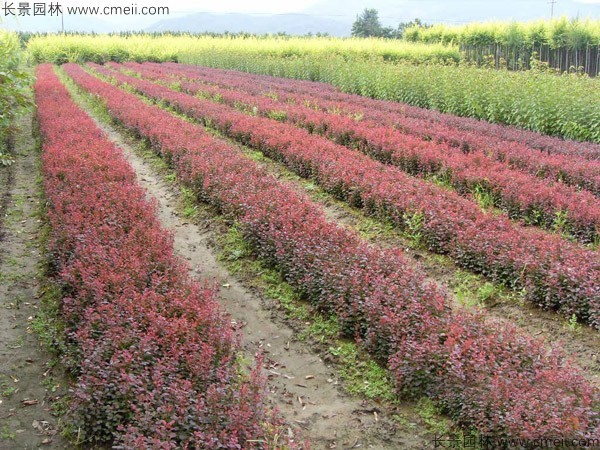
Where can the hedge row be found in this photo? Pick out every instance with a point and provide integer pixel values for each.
(483, 372)
(155, 357)
(523, 196)
(544, 156)
(554, 273)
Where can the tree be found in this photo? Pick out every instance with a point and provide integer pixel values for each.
(367, 24)
(404, 25)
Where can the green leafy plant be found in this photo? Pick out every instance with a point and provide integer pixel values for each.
(6, 434)
(6, 159)
(414, 226)
(483, 196)
(14, 94)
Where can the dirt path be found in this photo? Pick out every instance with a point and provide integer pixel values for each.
(303, 387)
(581, 342)
(27, 381)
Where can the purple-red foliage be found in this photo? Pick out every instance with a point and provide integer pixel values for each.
(555, 274)
(522, 195)
(569, 162)
(460, 131)
(456, 365)
(155, 357)
(456, 357)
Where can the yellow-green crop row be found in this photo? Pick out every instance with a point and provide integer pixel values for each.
(567, 105)
(559, 33)
(78, 48)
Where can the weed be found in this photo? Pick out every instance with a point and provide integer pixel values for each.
(50, 384)
(374, 229)
(12, 277)
(190, 206)
(442, 179)
(561, 223)
(6, 434)
(321, 329)
(14, 262)
(61, 406)
(9, 391)
(363, 376)
(6, 159)
(573, 324)
(280, 116)
(414, 227)
(483, 196)
(486, 292)
(404, 422)
(431, 415)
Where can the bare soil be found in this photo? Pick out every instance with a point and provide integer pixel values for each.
(303, 387)
(29, 381)
(580, 342)
(302, 381)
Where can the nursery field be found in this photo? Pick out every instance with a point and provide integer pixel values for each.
(235, 260)
(418, 74)
(561, 43)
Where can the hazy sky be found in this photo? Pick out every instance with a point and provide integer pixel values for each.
(391, 11)
(260, 6)
(176, 8)
(245, 6)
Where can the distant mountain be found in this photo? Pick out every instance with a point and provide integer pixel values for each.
(233, 22)
(334, 17)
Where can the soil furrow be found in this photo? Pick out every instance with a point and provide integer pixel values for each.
(581, 342)
(303, 387)
(29, 379)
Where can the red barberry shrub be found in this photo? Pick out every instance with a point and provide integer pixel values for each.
(555, 274)
(154, 356)
(454, 357)
(524, 196)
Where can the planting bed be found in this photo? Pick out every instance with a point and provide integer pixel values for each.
(554, 273)
(484, 373)
(158, 362)
(154, 356)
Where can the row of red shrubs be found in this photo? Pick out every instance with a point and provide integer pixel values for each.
(555, 274)
(572, 161)
(484, 373)
(154, 356)
(523, 196)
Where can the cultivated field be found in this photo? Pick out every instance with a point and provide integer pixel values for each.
(565, 106)
(563, 44)
(235, 260)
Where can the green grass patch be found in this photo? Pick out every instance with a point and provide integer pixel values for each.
(6, 434)
(362, 375)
